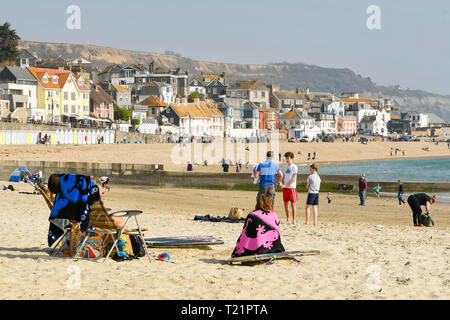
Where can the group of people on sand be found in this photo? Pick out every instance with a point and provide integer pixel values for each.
(415, 201)
(263, 222)
(267, 171)
(261, 232)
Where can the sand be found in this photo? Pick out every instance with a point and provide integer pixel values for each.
(413, 263)
(169, 155)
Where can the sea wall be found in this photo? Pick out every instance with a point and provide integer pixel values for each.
(154, 175)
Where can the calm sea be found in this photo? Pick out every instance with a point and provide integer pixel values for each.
(409, 170)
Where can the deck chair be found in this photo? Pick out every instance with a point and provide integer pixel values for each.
(63, 224)
(102, 222)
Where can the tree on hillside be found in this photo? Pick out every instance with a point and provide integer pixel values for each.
(122, 114)
(9, 41)
(194, 95)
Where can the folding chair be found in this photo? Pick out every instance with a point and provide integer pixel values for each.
(63, 224)
(100, 221)
(103, 222)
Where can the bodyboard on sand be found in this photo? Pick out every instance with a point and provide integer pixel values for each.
(269, 256)
(186, 241)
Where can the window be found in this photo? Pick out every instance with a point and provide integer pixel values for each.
(29, 93)
(73, 96)
(66, 108)
(73, 109)
(66, 96)
(263, 94)
(55, 80)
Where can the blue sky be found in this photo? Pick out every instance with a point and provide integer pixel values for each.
(412, 49)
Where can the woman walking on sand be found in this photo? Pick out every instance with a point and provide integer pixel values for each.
(400, 193)
(313, 186)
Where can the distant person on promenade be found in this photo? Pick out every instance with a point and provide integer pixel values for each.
(289, 186)
(377, 190)
(266, 172)
(400, 193)
(313, 186)
(415, 202)
(362, 190)
(329, 197)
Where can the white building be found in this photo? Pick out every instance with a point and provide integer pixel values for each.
(197, 119)
(298, 124)
(19, 87)
(418, 120)
(335, 107)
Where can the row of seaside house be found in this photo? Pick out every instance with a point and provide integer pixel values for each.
(72, 91)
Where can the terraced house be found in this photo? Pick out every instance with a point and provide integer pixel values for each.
(61, 94)
(251, 90)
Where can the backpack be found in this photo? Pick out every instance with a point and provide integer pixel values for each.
(137, 245)
(426, 220)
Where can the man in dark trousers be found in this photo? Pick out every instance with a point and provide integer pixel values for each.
(417, 200)
(362, 190)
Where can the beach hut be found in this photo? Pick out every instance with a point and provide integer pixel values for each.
(20, 174)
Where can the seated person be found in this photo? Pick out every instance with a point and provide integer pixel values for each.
(261, 233)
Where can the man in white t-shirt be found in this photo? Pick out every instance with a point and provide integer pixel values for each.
(289, 186)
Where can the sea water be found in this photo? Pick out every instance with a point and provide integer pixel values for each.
(408, 170)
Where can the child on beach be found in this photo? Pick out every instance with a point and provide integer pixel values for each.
(377, 191)
(289, 186)
(313, 186)
(329, 197)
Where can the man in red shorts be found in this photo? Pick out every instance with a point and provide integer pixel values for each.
(289, 186)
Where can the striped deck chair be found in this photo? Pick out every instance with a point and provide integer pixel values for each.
(64, 224)
(113, 225)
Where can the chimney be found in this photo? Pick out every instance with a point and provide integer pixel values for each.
(298, 91)
(197, 101)
(184, 100)
(307, 91)
(224, 79)
(177, 100)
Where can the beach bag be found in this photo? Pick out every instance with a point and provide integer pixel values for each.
(236, 213)
(137, 245)
(93, 247)
(124, 245)
(426, 220)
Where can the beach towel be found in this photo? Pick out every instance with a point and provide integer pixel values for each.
(73, 201)
(261, 234)
(218, 219)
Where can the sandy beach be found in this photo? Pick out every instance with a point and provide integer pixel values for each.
(174, 158)
(413, 263)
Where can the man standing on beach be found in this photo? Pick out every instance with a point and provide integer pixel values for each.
(362, 190)
(313, 186)
(289, 186)
(266, 172)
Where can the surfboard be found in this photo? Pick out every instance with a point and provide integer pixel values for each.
(269, 256)
(184, 241)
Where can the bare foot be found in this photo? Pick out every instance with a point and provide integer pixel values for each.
(288, 222)
(293, 222)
